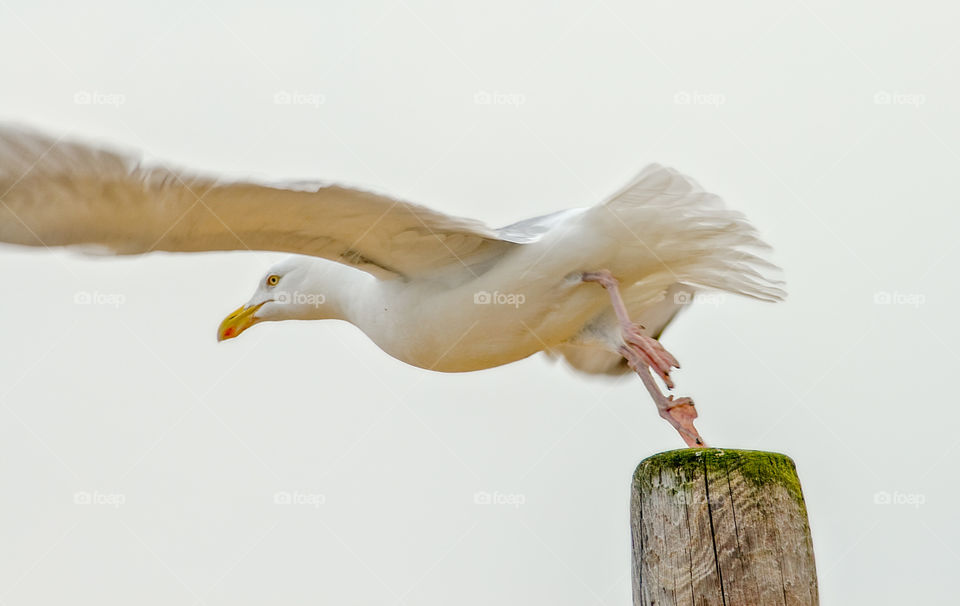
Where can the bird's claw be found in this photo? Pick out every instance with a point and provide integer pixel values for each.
(651, 352)
(642, 352)
(681, 414)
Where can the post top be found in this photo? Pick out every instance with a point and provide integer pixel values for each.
(759, 467)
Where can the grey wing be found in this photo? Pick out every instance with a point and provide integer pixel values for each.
(63, 193)
(531, 230)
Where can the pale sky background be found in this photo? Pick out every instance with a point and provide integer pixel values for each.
(833, 126)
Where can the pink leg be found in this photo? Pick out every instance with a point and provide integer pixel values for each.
(645, 355)
(654, 355)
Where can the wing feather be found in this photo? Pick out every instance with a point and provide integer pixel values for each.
(63, 193)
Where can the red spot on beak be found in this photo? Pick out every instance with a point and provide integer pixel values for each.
(229, 332)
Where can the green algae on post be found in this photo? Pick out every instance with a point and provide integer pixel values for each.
(760, 468)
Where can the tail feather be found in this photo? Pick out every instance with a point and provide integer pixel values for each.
(685, 241)
(695, 240)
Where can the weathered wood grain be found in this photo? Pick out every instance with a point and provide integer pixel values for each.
(720, 527)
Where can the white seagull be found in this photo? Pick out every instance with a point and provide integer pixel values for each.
(595, 286)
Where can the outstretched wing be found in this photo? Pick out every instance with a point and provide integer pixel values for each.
(533, 229)
(62, 193)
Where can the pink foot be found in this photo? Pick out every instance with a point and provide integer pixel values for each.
(679, 412)
(656, 357)
(645, 355)
(681, 416)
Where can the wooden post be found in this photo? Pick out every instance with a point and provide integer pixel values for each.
(724, 527)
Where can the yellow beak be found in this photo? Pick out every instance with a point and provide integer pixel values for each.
(237, 322)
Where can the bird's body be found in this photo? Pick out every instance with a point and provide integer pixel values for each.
(435, 326)
(594, 285)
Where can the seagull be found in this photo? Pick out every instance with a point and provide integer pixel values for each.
(594, 286)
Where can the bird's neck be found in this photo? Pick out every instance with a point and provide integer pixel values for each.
(333, 292)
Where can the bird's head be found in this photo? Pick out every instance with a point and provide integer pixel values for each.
(290, 290)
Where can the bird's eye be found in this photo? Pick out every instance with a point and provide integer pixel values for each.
(273, 280)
